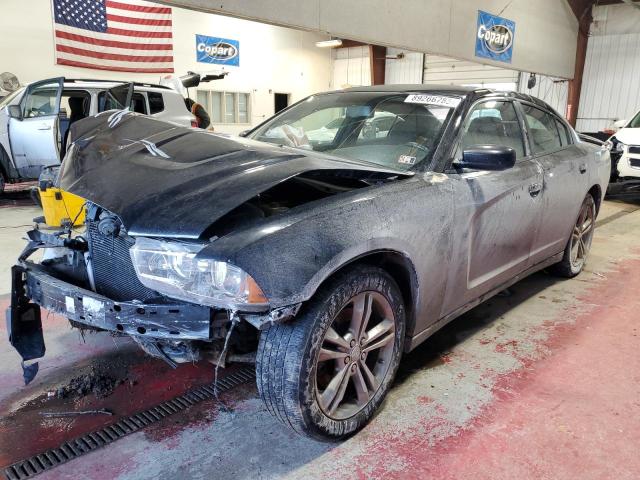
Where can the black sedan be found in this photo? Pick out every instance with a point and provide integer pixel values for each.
(323, 253)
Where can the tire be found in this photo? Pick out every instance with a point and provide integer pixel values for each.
(3, 182)
(293, 378)
(571, 265)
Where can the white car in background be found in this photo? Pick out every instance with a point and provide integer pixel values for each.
(625, 151)
(35, 120)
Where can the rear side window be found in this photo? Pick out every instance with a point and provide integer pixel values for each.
(494, 123)
(138, 103)
(156, 102)
(543, 130)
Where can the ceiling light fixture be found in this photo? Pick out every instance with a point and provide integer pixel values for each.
(336, 42)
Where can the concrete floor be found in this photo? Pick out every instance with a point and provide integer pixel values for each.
(542, 383)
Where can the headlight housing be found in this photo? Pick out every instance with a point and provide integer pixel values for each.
(615, 145)
(172, 269)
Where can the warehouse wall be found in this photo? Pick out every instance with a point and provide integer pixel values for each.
(351, 67)
(272, 59)
(405, 70)
(545, 38)
(449, 71)
(611, 83)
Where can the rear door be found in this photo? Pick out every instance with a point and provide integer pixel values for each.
(35, 136)
(565, 179)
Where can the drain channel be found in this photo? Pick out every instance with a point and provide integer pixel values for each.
(77, 447)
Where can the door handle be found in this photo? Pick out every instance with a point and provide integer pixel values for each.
(582, 168)
(534, 189)
(45, 127)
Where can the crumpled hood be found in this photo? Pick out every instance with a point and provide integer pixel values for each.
(170, 181)
(630, 136)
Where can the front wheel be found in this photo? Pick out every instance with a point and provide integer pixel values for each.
(325, 373)
(579, 244)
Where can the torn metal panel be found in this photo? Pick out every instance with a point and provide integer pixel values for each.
(24, 325)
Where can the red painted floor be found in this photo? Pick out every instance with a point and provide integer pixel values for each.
(573, 415)
(549, 380)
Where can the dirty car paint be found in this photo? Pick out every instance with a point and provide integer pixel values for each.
(458, 236)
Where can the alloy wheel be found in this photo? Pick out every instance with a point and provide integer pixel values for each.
(582, 235)
(355, 355)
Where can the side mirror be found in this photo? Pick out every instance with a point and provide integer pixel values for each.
(244, 133)
(488, 157)
(15, 111)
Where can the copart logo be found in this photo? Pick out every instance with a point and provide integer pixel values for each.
(219, 51)
(223, 51)
(497, 38)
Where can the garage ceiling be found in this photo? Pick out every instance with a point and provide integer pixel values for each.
(545, 39)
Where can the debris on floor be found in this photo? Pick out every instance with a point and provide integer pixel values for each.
(102, 411)
(95, 382)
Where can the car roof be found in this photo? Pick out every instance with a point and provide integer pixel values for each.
(457, 89)
(106, 84)
(460, 90)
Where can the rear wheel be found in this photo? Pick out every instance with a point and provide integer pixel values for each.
(327, 372)
(579, 245)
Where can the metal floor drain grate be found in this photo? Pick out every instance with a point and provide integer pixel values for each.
(75, 448)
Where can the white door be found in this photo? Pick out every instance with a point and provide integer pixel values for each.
(34, 134)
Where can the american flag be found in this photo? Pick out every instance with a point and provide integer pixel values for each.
(122, 36)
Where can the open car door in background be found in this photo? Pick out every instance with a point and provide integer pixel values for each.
(34, 128)
(119, 97)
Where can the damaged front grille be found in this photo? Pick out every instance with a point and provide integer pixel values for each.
(113, 272)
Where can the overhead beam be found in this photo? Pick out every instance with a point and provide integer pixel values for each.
(545, 37)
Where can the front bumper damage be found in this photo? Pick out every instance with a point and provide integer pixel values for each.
(174, 321)
(157, 327)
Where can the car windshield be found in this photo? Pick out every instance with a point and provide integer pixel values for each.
(635, 121)
(389, 129)
(6, 100)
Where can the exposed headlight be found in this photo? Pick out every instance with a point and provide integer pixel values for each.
(172, 269)
(615, 145)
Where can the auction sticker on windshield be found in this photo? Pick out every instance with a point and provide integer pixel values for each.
(433, 100)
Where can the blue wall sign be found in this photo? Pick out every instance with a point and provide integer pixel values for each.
(494, 37)
(217, 50)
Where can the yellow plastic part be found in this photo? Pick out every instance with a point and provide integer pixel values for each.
(62, 208)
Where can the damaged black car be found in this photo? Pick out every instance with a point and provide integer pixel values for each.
(322, 244)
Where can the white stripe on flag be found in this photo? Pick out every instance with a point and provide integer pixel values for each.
(139, 28)
(112, 63)
(120, 51)
(110, 36)
(133, 14)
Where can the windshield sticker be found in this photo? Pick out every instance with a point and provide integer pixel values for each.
(406, 159)
(433, 100)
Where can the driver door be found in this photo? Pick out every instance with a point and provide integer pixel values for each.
(497, 212)
(34, 135)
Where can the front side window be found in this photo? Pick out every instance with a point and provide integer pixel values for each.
(493, 123)
(41, 101)
(543, 130)
(389, 129)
